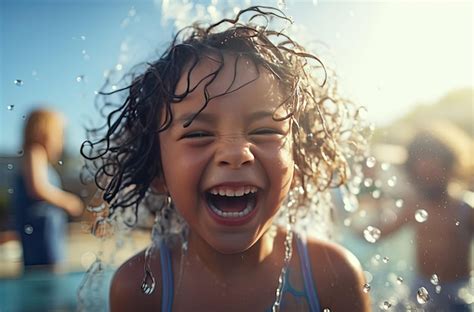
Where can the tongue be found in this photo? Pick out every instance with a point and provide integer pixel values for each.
(229, 204)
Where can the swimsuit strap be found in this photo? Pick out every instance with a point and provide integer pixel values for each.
(167, 278)
(309, 285)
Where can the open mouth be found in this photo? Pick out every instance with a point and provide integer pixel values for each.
(235, 203)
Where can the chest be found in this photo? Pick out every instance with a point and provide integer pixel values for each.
(251, 292)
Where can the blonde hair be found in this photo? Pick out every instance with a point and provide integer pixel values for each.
(41, 126)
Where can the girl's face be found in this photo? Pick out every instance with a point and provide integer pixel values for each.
(230, 170)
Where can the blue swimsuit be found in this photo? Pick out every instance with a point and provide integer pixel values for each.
(309, 292)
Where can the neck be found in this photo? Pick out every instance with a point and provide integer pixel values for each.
(228, 266)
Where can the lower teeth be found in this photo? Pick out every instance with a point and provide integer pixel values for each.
(248, 208)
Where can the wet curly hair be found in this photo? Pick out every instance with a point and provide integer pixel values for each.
(124, 155)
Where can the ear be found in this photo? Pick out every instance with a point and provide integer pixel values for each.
(158, 185)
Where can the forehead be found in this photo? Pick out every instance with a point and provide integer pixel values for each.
(230, 79)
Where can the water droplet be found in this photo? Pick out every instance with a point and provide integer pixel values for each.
(438, 289)
(18, 82)
(385, 305)
(10, 107)
(113, 87)
(368, 276)
(421, 215)
(148, 283)
(376, 259)
(434, 279)
(392, 181)
(326, 310)
(281, 4)
(60, 162)
(119, 67)
(28, 229)
(368, 182)
(371, 234)
(457, 223)
(422, 295)
(80, 78)
(10, 166)
(349, 200)
(399, 203)
(399, 280)
(101, 227)
(10, 190)
(23, 117)
(83, 38)
(376, 194)
(385, 166)
(347, 222)
(366, 287)
(370, 162)
(385, 259)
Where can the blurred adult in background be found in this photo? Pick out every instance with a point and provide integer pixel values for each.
(41, 206)
(443, 221)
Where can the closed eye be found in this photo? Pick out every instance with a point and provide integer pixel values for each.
(266, 131)
(196, 135)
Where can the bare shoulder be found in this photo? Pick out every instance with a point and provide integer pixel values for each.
(125, 289)
(337, 271)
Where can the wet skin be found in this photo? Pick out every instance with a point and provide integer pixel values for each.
(233, 143)
(233, 266)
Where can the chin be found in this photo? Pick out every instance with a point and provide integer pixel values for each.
(233, 245)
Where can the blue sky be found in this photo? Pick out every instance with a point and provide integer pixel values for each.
(389, 54)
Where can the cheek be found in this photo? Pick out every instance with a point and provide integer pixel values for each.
(279, 167)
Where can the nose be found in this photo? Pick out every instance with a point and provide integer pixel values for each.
(234, 152)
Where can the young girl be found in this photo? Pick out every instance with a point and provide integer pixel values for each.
(41, 205)
(230, 127)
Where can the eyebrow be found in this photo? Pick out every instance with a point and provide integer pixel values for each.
(211, 118)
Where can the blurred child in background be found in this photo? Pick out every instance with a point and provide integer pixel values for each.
(443, 223)
(41, 206)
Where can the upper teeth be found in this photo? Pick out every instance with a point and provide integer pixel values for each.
(235, 191)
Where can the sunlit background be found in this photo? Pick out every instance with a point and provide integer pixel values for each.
(406, 61)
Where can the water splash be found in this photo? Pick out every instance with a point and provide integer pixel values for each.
(28, 229)
(371, 234)
(385, 166)
(434, 279)
(281, 4)
(370, 162)
(366, 287)
(385, 306)
(392, 181)
(422, 295)
(421, 215)
(399, 203)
